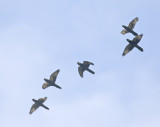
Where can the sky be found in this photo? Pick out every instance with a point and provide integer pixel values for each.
(38, 37)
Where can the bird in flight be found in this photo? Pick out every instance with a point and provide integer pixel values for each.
(37, 104)
(84, 67)
(130, 27)
(132, 44)
(52, 80)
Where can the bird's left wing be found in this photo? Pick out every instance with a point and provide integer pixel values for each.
(128, 48)
(124, 31)
(53, 76)
(33, 108)
(133, 23)
(80, 70)
(45, 85)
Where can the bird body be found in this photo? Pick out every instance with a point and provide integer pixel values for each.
(37, 104)
(132, 44)
(130, 27)
(51, 81)
(83, 67)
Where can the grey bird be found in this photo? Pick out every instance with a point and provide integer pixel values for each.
(84, 67)
(132, 44)
(52, 80)
(37, 104)
(130, 27)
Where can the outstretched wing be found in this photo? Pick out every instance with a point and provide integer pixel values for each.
(133, 23)
(80, 70)
(33, 108)
(45, 85)
(137, 39)
(41, 100)
(87, 63)
(128, 48)
(54, 75)
(124, 31)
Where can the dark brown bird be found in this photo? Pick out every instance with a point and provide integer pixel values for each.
(52, 80)
(130, 27)
(37, 104)
(132, 44)
(84, 67)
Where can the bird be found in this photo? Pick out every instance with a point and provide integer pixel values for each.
(37, 104)
(133, 43)
(130, 27)
(51, 81)
(84, 67)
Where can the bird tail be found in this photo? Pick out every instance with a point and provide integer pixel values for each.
(138, 47)
(57, 86)
(90, 71)
(45, 106)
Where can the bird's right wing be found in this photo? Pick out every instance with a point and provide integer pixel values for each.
(128, 48)
(45, 85)
(41, 100)
(124, 31)
(80, 70)
(54, 75)
(87, 63)
(33, 108)
(133, 23)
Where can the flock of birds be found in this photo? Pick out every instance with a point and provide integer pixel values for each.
(85, 65)
(134, 42)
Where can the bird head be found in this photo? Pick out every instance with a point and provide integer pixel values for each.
(141, 35)
(78, 63)
(45, 79)
(137, 18)
(34, 100)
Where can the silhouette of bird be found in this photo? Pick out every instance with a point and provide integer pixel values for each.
(130, 27)
(37, 104)
(84, 67)
(51, 81)
(132, 44)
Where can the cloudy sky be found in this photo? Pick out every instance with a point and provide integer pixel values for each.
(38, 37)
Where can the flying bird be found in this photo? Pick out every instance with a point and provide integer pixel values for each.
(132, 44)
(37, 104)
(130, 27)
(84, 67)
(52, 80)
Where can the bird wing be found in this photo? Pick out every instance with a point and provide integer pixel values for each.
(137, 39)
(87, 63)
(80, 70)
(41, 100)
(45, 85)
(54, 75)
(128, 48)
(124, 31)
(133, 23)
(33, 108)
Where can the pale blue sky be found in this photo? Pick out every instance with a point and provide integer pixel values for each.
(38, 37)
